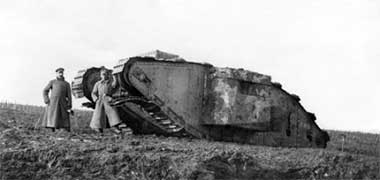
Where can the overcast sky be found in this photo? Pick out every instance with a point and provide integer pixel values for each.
(327, 52)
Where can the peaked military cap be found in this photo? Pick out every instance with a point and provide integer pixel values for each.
(59, 69)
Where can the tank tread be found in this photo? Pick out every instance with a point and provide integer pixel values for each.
(154, 115)
(83, 82)
(77, 84)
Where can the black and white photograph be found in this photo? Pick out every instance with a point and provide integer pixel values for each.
(189, 89)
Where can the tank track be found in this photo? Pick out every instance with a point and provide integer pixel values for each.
(152, 114)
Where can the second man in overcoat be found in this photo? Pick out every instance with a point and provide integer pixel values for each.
(105, 115)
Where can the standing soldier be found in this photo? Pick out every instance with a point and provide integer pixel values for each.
(101, 94)
(59, 103)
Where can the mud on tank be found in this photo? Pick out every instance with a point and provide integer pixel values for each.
(161, 93)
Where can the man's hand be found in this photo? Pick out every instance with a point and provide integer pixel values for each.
(108, 98)
(71, 112)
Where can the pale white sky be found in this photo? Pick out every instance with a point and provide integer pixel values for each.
(327, 52)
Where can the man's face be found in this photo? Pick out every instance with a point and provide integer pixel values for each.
(60, 74)
(104, 75)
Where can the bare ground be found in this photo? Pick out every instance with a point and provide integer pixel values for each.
(28, 153)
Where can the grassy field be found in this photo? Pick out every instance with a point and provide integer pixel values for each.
(28, 115)
(27, 152)
(355, 142)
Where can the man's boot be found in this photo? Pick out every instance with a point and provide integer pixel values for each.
(122, 126)
(99, 130)
(116, 130)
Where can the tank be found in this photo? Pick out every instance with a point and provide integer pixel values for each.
(161, 93)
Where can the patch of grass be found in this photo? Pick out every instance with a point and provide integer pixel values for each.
(355, 142)
(28, 115)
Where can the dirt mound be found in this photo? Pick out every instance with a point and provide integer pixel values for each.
(234, 166)
(58, 156)
(241, 166)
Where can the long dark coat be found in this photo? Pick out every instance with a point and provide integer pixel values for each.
(59, 102)
(104, 114)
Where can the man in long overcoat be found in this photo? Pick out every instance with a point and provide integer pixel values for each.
(59, 103)
(105, 115)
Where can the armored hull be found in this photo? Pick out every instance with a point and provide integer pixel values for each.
(161, 93)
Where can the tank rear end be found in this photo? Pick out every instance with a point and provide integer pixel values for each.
(245, 106)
